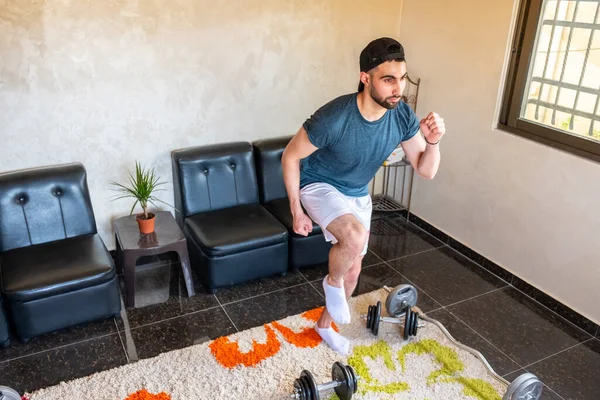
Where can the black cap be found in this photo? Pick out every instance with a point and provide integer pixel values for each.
(379, 51)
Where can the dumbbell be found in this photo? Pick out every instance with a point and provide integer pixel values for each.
(344, 382)
(410, 321)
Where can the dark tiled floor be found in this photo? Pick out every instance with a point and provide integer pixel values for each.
(514, 332)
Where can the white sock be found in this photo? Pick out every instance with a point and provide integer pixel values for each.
(335, 301)
(334, 340)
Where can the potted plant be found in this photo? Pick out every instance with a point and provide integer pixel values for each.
(141, 187)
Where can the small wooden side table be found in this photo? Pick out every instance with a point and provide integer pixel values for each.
(131, 245)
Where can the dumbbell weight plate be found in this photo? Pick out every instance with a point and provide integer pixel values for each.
(307, 386)
(525, 387)
(341, 374)
(411, 323)
(373, 318)
(401, 294)
(310, 381)
(407, 317)
(354, 379)
(7, 393)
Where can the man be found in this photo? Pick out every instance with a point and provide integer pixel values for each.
(329, 163)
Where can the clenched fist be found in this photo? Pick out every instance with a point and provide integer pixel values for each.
(433, 128)
(302, 224)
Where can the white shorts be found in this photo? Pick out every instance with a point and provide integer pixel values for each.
(324, 203)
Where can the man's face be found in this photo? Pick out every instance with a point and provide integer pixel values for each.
(388, 81)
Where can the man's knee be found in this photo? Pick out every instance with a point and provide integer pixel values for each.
(351, 235)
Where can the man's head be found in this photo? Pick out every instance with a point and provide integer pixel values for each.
(383, 71)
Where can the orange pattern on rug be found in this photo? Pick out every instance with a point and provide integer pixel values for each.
(145, 395)
(228, 353)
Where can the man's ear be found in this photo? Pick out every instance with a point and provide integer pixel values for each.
(365, 78)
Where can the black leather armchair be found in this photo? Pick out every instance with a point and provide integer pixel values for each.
(56, 271)
(4, 334)
(231, 237)
(303, 250)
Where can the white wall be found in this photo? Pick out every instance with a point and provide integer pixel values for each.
(109, 82)
(531, 209)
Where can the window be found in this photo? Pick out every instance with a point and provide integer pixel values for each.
(553, 86)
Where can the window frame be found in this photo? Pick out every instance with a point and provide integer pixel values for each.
(521, 56)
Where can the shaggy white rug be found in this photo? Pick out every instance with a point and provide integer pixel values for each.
(263, 362)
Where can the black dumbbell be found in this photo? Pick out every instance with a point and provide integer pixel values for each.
(344, 382)
(410, 320)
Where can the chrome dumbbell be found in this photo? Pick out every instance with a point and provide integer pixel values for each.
(410, 320)
(343, 380)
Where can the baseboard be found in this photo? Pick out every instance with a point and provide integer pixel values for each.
(567, 313)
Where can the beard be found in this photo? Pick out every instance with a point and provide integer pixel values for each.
(383, 102)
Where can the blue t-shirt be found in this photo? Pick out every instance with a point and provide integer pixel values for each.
(352, 149)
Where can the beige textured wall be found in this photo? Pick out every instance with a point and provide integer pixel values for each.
(109, 82)
(530, 208)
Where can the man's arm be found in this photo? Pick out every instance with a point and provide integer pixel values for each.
(425, 157)
(299, 147)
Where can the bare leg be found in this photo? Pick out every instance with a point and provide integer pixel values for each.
(351, 236)
(350, 281)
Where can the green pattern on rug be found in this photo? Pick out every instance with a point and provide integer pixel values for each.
(374, 351)
(446, 357)
(450, 367)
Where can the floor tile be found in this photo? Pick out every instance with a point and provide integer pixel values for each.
(273, 306)
(178, 304)
(500, 362)
(59, 338)
(559, 308)
(258, 287)
(392, 238)
(447, 276)
(375, 277)
(177, 333)
(523, 329)
(319, 271)
(574, 373)
(66, 363)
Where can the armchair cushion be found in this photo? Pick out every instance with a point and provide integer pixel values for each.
(268, 153)
(235, 230)
(54, 268)
(280, 208)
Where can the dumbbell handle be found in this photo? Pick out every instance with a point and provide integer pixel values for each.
(328, 385)
(392, 320)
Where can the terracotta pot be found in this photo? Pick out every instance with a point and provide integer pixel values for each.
(146, 225)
